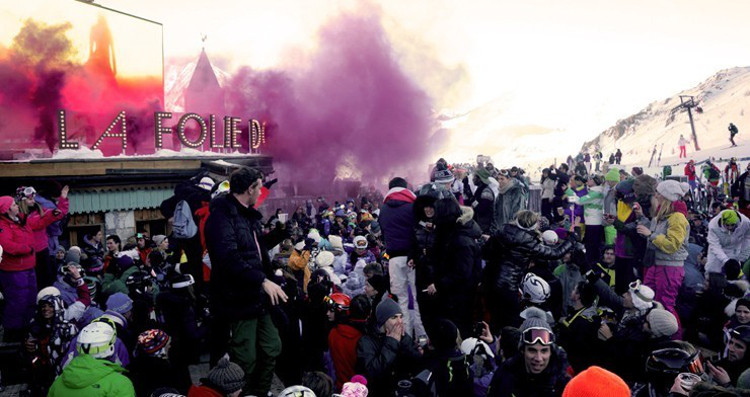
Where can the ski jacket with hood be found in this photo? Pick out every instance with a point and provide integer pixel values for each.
(88, 376)
(40, 222)
(397, 221)
(17, 240)
(342, 341)
(517, 248)
(724, 245)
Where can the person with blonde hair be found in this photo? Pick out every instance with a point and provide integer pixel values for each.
(667, 239)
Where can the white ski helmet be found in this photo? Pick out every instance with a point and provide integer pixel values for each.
(97, 339)
(47, 291)
(534, 289)
(297, 391)
(549, 237)
(222, 188)
(471, 346)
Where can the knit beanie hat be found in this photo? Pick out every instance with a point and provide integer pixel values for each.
(595, 382)
(315, 235)
(644, 186)
(324, 259)
(642, 296)
(671, 190)
(158, 239)
(227, 376)
(73, 255)
(442, 176)
(119, 303)
(153, 342)
(386, 309)
(743, 302)
(5, 203)
(612, 175)
(625, 190)
(337, 243)
(729, 217)
(353, 389)
(662, 323)
(445, 335)
(535, 318)
(379, 282)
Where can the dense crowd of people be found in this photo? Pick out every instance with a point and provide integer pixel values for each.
(620, 285)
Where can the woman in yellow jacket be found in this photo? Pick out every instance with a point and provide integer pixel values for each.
(667, 238)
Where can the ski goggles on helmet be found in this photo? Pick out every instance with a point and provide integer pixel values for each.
(536, 335)
(504, 173)
(333, 305)
(25, 192)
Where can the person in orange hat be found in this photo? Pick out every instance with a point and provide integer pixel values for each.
(594, 382)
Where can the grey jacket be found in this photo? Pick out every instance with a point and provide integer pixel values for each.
(506, 206)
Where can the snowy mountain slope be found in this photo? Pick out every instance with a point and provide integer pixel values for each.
(723, 98)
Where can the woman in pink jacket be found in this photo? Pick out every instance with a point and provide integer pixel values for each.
(38, 219)
(17, 276)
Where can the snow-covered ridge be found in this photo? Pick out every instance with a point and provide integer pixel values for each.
(722, 99)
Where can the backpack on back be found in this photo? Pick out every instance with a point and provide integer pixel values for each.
(184, 226)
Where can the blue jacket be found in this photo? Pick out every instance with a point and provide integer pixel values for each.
(397, 221)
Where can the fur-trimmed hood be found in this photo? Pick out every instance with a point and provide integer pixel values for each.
(467, 214)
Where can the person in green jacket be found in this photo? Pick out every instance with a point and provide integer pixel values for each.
(91, 373)
(116, 276)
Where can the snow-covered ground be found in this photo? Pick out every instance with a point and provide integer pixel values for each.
(724, 98)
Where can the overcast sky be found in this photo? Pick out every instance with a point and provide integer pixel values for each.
(574, 65)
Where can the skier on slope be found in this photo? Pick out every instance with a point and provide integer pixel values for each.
(682, 143)
(732, 132)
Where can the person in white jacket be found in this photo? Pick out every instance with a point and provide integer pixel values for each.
(682, 143)
(728, 238)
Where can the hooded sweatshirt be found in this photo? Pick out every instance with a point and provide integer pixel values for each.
(343, 343)
(88, 376)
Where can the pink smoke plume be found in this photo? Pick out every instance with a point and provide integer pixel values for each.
(38, 77)
(351, 104)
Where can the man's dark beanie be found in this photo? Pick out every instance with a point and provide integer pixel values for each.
(397, 182)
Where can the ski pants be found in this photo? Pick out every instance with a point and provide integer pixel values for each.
(402, 279)
(19, 289)
(666, 282)
(683, 152)
(254, 346)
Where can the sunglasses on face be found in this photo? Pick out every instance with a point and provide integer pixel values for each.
(538, 335)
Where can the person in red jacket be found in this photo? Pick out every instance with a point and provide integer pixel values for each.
(38, 218)
(690, 174)
(350, 317)
(17, 277)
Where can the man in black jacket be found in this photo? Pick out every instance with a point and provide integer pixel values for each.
(240, 290)
(387, 354)
(538, 369)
